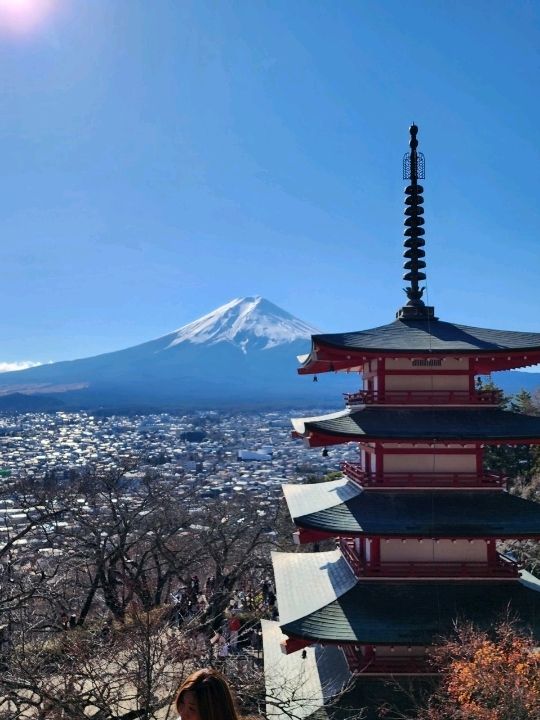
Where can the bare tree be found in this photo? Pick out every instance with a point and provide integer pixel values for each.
(30, 514)
(233, 541)
(124, 541)
(92, 630)
(129, 672)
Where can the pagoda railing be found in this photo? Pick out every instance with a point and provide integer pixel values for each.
(502, 567)
(421, 479)
(351, 556)
(424, 397)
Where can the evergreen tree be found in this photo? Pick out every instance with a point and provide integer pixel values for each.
(517, 462)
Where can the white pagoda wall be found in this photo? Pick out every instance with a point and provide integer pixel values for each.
(433, 551)
(427, 382)
(429, 463)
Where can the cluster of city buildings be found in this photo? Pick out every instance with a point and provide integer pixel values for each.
(210, 454)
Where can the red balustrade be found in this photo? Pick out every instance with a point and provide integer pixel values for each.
(351, 556)
(503, 567)
(421, 479)
(424, 397)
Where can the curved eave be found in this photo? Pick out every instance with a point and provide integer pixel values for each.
(326, 574)
(419, 425)
(315, 497)
(300, 425)
(326, 356)
(320, 360)
(315, 439)
(416, 612)
(430, 514)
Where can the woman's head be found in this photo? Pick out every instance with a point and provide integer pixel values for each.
(205, 695)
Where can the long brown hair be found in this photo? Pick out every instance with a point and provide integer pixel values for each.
(213, 695)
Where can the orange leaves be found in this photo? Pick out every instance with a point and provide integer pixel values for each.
(493, 676)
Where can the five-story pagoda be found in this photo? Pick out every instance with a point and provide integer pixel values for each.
(419, 519)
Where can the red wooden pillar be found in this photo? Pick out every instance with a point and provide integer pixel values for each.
(379, 455)
(369, 653)
(479, 461)
(375, 553)
(381, 379)
(472, 387)
(360, 547)
(367, 462)
(491, 553)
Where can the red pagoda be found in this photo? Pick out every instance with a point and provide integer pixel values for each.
(419, 519)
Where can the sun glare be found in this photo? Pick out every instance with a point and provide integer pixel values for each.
(24, 17)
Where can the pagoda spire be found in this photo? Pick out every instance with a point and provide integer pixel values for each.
(414, 265)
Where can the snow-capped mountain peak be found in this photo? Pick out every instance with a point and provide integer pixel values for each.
(248, 323)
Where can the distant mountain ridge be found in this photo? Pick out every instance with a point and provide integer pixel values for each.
(241, 355)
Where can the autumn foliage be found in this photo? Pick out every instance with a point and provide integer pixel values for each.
(486, 676)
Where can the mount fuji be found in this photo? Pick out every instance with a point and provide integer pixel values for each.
(250, 323)
(241, 355)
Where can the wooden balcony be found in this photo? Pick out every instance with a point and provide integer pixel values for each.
(423, 397)
(503, 567)
(422, 479)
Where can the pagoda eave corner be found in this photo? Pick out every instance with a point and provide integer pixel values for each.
(293, 644)
(307, 535)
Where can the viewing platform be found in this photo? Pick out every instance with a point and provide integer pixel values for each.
(501, 567)
(423, 397)
(409, 480)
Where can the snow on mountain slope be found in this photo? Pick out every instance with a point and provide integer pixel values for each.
(241, 355)
(248, 323)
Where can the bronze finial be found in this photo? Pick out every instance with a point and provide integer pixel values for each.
(414, 170)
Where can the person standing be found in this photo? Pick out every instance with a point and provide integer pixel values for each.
(234, 627)
(222, 650)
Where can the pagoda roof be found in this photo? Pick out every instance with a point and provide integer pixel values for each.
(412, 612)
(302, 685)
(418, 424)
(342, 508)
(318, 684)
(406, 337)
(326, 574)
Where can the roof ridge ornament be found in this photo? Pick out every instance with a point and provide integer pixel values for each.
(414, 170)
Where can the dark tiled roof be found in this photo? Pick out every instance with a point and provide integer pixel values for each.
(431, 514)
(416, 613)
(433, 424)
(435, 335)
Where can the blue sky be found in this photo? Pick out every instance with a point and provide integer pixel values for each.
(160, 158)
